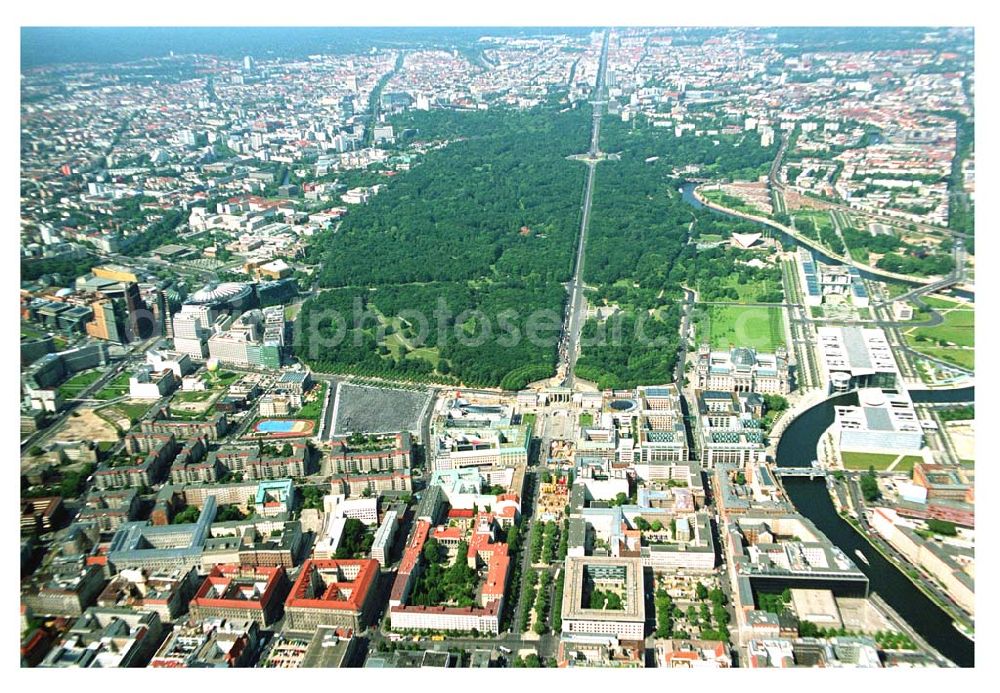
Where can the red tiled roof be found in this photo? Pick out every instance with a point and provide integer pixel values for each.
(447, 533)
(354, 590)
(496, 575)
(221, 576)
(420, 534)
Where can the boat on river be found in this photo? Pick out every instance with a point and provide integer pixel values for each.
(964, 630)
(864, 558)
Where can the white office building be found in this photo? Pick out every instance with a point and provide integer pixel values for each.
(150, 384)
(233, 348)
(384, 536)
(192, 327)
(883, 422)
(623, 577)
(364, 509)
(856, 357)
(162, 359)
(438, 618)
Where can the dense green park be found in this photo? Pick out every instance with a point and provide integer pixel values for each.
(459, 259)
(454, 263)
(475, 349)
(642, 247)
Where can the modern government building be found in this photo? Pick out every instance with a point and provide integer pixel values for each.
(743, 369)
(623, 576)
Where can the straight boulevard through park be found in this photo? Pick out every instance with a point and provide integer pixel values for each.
(569, 343)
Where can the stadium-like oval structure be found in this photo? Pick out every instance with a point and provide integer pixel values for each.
(220, 294)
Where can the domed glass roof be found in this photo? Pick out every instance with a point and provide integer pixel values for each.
(220, 293)
(743, 358)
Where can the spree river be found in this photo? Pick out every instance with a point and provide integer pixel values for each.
(811, 498)
(687, 194)
(797, 448)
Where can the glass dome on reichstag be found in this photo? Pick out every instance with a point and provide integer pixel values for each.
(743, 358)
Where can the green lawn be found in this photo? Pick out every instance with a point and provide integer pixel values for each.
(201, 404)
(939, 302)
(846, 221)
(292, 311)
(194, 396)
(958, 328)
(78, 383)
(894, 289)
(223, 378)
(431, 354)
(134, 410)
(749, 292)
(859, 254)
(963, 358)
(400, 346)
(757, 327)
(906, 464)
(820, 218)
(864, 460)
(116, 388)
(394, 343)
(586, 419)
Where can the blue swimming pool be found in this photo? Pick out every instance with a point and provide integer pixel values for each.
(276, 426)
